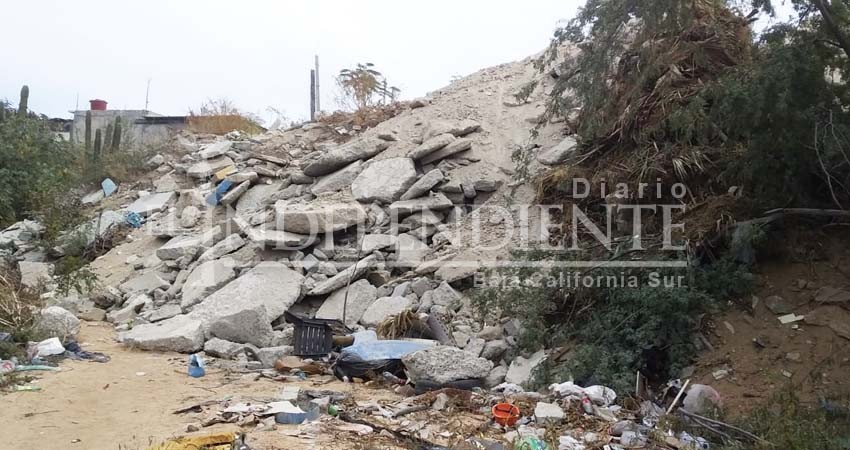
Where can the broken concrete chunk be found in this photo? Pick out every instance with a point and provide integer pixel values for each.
(558, 154)
(521, 369)
(383, 308)
(319, 216)
(35, 275)
(150, 204)
(424, 184)
(361, 295)
(384, 181)
(277, 239)
(431, 145)
(436, 201)
(339, 180)
(232, 195)
(354, 272)
(146, 283)
(215, 149)
(179, 247)
(55, 321)
(177, 334)
(344, 155)
(208, 167)
(206, 279)
(228, 245)
(457, 146)
(372, 242)
(444, 364)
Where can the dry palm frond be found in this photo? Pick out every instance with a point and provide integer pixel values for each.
(398, 325)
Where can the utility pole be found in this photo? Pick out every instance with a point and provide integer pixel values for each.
(312, 95)
(318, 95)
(147, 95)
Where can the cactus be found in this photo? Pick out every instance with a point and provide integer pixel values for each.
(22, 106)
(116, 138)
(88, 130)
(107, 139)
(97, 146)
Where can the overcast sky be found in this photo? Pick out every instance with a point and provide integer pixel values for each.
(256, 53)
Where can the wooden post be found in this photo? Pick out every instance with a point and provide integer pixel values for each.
(312, 95)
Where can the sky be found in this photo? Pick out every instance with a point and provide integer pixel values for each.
(256, 53)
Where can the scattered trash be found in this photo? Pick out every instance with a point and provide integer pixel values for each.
(505, 414)
(5, 337)
(215, 197)
(49, 347)
(196, 366)
(531, 443)
(220, 441)
(694, 442)
(790, 318)
(109, 187)
(133, 219)
(75, 352)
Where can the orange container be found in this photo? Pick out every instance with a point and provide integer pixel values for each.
(505, 414)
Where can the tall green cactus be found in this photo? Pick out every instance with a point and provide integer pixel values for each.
(97, 146)
(107, 139)
(88, 130)
(116, 138)
(22, 105)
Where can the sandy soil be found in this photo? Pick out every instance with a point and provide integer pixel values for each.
(128, 402)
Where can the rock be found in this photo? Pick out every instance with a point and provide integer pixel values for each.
(257, 198)
(559, 153)
(465, 127)
(178, 334)
(271, 287)
(208, 167)
(34, 275)
(457, 146)
(279, 240)
(145, 284)
(701, 399)
(431, 145)
(190, 216)
(352, 151)
(220, 348)
(382, 308)
(384, 181)
(421, 285)
(835, 318)
(131, 308)
(490, 333)
(233, 194)
(435, 202)
(828, 294)
(150, 204)
(338, 180)
(319, 216)
(494, 350)
(249, 326)
(92, 315)
(485, 185)
(355, 272)
(445, 295)
(93, 197)
(444, 364)
(372, 242)
(179, 247)
(55, 321)
(206, 279)
(778, 305)
(548, 414)
(166, 183)
(409, 251)
(424, 184)
(215, 149)
(241, 177)
(495, 377)
(228, 245)
(521, 369)
(468, 190)
(163, 312)
(361, 295)
(424, 218)
(475, 345)
(269, 355)
(296, 176)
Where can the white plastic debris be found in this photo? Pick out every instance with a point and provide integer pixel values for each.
(49, 347)
(569, 443)
(508, 388)
(599, 395)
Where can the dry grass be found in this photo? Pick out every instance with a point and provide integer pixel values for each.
(365, 117)
(222, 124)
(18, 307)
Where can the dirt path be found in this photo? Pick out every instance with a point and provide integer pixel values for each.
(127, 403)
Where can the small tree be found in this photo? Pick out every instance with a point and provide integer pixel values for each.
(364, 87)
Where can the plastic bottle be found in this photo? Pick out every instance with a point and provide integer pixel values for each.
(196, 366)
(586, 404)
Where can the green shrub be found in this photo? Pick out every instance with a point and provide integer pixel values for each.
(617, 327)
